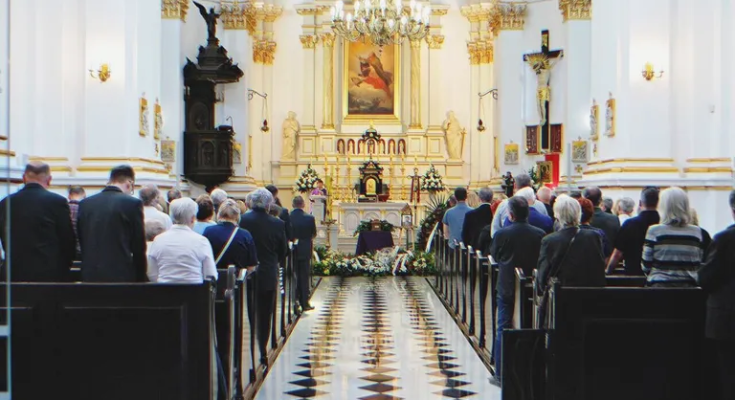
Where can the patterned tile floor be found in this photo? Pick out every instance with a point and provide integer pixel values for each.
(388, 338)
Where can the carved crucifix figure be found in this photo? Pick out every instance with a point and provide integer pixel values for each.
(542, 63)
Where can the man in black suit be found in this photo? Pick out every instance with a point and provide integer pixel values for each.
(304, 230)
(41, 243)
(283, 215)
(477, 219)
(112, 232)
(269, 234)
(514, 246)
(717, 277)
(609, 223)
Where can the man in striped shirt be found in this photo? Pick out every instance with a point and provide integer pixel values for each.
(673, 249)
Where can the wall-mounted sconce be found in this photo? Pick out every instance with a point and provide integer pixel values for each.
(650, 74)
(103, 74)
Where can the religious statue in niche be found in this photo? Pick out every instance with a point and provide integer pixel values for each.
(351, 146)
(341, 146)
(402, 147)
(455, 134)
(291, 129)
(210, 19)
(610, 116)
(144, 125)
(157, 121)
(594, 126)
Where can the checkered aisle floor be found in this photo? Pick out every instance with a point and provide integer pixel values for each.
(387, 338)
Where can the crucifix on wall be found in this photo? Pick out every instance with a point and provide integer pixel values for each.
(542, 63)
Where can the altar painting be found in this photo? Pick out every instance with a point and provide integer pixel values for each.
(371, 90)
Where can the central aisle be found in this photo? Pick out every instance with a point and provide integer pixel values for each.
(389, 338)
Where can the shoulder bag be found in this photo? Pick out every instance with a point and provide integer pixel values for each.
(553, 273)
(227, 246)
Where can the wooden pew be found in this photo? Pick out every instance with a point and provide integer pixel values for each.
(523, 314)
(110, 341)
(632, 343)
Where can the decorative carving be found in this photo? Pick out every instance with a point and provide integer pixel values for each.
(311, 9)
(327, 39)
(239, 15)
(576, 9)
(143, 117)
(308, 41)
(512, 16)
(435, 41)
(476, 13)
(475, 56)
(264, 52)
(174, 9)
(610, 116)
(594, 120)
(157, 121)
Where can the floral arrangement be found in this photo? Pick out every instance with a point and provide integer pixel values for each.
(533, 174)
(391, 261)
(435, 209)
(431, 181)
(368, 226)
(307, 180)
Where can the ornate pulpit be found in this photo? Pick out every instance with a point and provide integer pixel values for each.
(207, 150)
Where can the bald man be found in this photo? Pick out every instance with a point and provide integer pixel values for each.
(42, 241)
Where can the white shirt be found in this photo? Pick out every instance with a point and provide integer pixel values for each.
(502, 213)
(623, 218)
(151, 213)
(180, 255)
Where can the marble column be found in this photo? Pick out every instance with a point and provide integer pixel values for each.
(173, 16)
(577, 89)
(415, 102)
(509, 51)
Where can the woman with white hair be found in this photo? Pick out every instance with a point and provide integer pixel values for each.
(673, 249)
(625, 209)
(572, 255)
(181, 255)
(231, 244)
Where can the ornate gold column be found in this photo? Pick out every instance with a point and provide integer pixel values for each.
(576, 9)
(327, 40)
(415, 85)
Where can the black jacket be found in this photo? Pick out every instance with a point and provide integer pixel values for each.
(303, 226)
(717, 277)
(42, 243)
(609, 224)
(286, 218)
(515, 246)
(474, 221)
(585, 264)
(112, 237)
(269, 234)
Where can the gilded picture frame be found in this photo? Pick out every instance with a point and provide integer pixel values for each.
(610, 117)
(512, 154)
(143, 125)
(545, 171)
(371, 86)
(594, 120)
(168, 151)
(580, 152)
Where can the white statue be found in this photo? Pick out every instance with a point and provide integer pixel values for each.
(454, 136)
(291, 128)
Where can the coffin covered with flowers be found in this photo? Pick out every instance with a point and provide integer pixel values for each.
(391, 261)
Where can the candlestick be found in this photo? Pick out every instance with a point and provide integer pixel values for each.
(349, 180)
(391, 180)
(403, 177)
(338, 190)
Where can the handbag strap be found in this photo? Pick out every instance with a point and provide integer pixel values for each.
(556, 268)
(227, 245)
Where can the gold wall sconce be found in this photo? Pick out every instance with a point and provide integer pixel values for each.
(650, 74)
(103, 74)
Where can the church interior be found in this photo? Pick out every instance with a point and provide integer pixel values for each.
(368, 114)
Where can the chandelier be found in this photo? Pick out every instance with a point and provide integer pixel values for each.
(382, 22)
